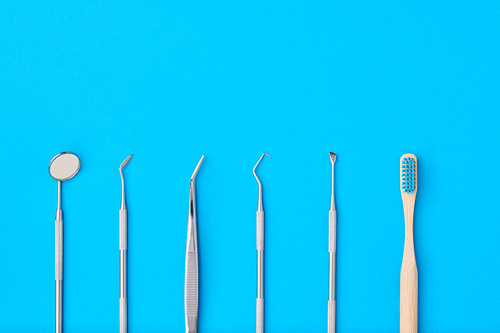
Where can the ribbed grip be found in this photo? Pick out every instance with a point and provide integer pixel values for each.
(123, 315)
(59, 250)
(260, 230)
(331, 316)
(260, 315)
(191, 285)
(123, 229)
(332, 231)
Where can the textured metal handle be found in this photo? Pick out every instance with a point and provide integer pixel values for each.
(123, 315)
(123, 271)
(332, 231)
(59, 250)
(260, 273)
(59, 272)
(332, 249)
(260, 315)
(331, 316)
(123, 229)
(260, 230)
(191, 291)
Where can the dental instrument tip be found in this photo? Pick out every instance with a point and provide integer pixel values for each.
(258, 181)
(126, 161)
(123, 205)
(333, 157)
(255, 167)
(197, 168)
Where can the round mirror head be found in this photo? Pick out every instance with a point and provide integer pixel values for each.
(64, 166)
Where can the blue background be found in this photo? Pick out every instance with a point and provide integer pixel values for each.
(170, 81)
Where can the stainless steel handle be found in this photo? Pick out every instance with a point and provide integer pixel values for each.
(260, 272)
(123, 315)
(59, 271)
(191, 273)
(332, 249)
(123, 270)
(191, 292)
(191, 270)
(331, 316)
(260, 315)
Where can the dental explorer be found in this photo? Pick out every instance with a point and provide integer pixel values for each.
(191, 270)
(123, 253)
(62, 167)
(260, 256)
(332, 249)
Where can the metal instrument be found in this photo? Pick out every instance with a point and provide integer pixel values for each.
(332, 249)
(123, 254)
(191, 272)
(62, 167)
(260, 256)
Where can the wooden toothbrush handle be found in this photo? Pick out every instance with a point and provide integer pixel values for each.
(408, 297)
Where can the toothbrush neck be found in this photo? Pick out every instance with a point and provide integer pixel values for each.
(409, 207)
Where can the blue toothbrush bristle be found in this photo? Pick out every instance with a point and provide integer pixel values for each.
(408, 175)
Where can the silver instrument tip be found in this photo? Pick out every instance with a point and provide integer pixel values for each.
(258, 181)
(255, 167)
(123, 205)
(197, 168)
(333, 157)
(126, 161)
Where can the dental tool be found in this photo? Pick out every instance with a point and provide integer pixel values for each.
(332, 249)
(408, 297)
(123, 253)
(62, 167)
(191, 272)
(260, 256)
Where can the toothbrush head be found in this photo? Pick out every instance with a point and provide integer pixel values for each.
(408, 181)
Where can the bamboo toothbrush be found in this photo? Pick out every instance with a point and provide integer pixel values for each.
(409, 275)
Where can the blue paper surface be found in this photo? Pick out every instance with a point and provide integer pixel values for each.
(170, 81)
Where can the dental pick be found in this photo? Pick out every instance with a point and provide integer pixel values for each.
(260, 256)
(123, 254)
(332, 249)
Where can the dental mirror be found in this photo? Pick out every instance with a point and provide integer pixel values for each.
(62, 167)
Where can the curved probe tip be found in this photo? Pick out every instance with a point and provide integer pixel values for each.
(258, 181)
(197, 167)
(126, 161)
(255, 167)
